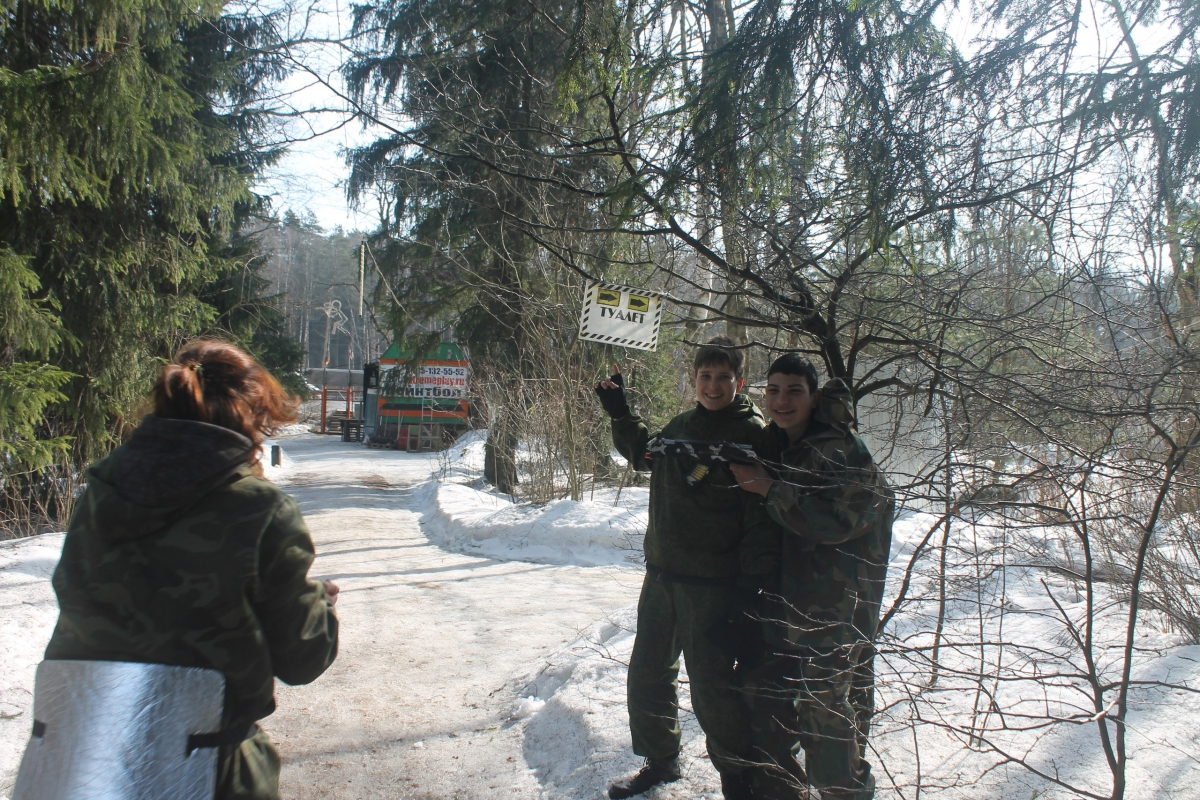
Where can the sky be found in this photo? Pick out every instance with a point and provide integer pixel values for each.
(312, 175)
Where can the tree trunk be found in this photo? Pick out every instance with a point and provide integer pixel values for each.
(500, 454)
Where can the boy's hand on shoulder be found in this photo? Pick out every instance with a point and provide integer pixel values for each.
(753, 478)
(331, 591)
(611, 392)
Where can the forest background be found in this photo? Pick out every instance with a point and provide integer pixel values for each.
(981, 216)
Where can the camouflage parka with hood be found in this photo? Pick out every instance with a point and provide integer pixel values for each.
(178, 553)
(836, 509)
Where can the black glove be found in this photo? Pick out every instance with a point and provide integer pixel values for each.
(613, 400)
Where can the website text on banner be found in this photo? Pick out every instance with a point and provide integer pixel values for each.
(621, 315)
(436, 381)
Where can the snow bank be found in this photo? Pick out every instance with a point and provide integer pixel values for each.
(295, 429)
(572, 706)
(463, 513)
(28, 611)
(1038, 709)
(572, 709)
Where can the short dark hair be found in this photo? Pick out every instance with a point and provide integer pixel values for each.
(719, 350)
(794, 364)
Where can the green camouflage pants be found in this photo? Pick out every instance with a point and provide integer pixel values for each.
(672, 619)
(770, 693)
(249, 771)
(820, 702)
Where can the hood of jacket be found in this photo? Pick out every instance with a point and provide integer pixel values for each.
(835, 407)
(167, 464)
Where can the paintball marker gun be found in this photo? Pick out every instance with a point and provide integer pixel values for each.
(705, 453)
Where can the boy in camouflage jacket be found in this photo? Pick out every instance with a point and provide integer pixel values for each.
(703, 533)
(837, 511)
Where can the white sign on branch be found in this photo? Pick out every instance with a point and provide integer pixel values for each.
(621, 315)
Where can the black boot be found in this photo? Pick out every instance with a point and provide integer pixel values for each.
(736, 787)
(656, 771)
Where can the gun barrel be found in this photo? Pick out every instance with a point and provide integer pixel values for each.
(709, 451)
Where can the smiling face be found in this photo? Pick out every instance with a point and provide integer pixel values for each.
(716, 385)
(790, 402)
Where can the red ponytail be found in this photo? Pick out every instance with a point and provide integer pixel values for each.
(179, 395)
(212, 381)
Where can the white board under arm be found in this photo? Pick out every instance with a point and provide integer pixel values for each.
(621, 315)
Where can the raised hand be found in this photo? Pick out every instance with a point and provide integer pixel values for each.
(611, 392)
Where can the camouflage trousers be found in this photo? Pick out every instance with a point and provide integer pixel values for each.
(249, 771)
(818, 702)
(672, 620)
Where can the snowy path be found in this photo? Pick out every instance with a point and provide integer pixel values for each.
(419, 703)
(481, 657)
(485, 659)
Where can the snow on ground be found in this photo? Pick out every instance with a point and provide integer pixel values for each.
(1036, 707)
(572, 707)
(295, 429)
(464, 513)
(420, 701)
(574, 713)
(576, 734)
(485, 643)
(28, 612)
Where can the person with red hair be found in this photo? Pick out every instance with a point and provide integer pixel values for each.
(180, 553)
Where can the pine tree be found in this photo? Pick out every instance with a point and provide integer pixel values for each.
(453, 248)
(26, 387)
(130, 135)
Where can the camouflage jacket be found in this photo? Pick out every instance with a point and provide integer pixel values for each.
(837, 510)
(177, 553)
(706, 528)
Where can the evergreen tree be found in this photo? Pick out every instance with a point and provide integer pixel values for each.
(473, 76)
(26, 386)
(130, 135)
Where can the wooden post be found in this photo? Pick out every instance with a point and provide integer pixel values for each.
(324, 401)
(349, 400)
